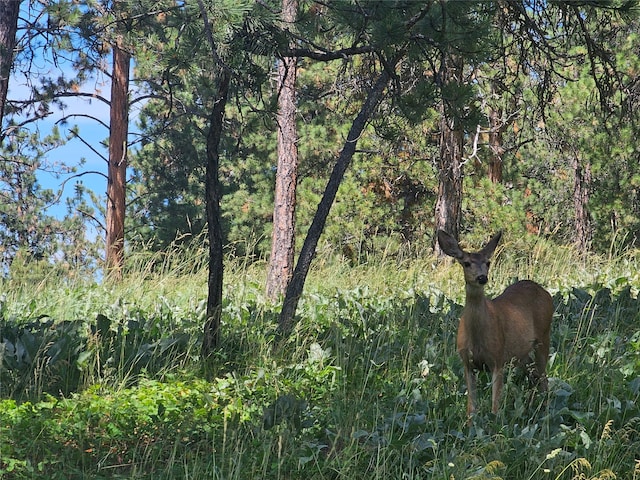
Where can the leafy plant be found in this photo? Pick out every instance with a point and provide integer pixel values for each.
(369, 385)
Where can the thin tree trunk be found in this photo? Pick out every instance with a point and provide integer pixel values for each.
(581, 186)
(496, 148)
(8, 27)
(449, 201)
(117, 169)
(448, 209)
(283, 236)
(213, 195)
(296, 285)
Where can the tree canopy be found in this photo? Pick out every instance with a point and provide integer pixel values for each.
(533, 91)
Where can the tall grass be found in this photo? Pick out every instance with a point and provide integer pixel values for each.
(369, 385)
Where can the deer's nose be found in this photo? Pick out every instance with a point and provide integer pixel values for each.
(482, 279)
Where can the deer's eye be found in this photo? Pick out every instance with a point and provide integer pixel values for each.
(467, 264)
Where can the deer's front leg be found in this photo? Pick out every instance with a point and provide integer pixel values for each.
(470, 377)
(497, 380)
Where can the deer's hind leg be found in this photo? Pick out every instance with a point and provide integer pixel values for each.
(538, 375)
(536, 371)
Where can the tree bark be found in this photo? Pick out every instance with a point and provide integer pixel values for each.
(117, 168)
(8, 27)
(496, 148)
(296, 285)
(213, 195)
(448, 209)
(283, 236)
(581, 186)
(449, 201)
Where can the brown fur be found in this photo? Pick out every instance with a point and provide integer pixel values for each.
(494, 332)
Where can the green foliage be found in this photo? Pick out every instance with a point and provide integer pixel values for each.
(59, 358)
(389, 192)
(167, 197)
(369, 385)
(29, 235)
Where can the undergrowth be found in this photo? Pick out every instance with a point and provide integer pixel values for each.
(100, 380)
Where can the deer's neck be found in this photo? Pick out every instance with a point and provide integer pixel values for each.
(476, 304)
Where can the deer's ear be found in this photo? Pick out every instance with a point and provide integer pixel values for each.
(490, 247)
(449, 245)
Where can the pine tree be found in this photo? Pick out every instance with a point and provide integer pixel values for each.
(9, 11)
(283, 243)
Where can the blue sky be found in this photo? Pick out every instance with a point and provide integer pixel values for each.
(76, 152)
(71, 154)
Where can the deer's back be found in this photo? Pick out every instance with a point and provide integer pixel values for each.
(527, 300)
(525, 310)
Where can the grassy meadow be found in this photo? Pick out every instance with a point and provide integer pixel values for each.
(105, 380)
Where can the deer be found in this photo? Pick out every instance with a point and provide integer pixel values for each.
(515, 325)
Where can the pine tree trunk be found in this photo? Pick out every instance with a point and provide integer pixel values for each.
(8, 27)
(283, 237)
(213, 195)
(581, 186)
(117, 168)
(449, 201)
(448, 208)
(496, 149)
(296, 285)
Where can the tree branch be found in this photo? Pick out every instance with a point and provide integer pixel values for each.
(327, 55)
